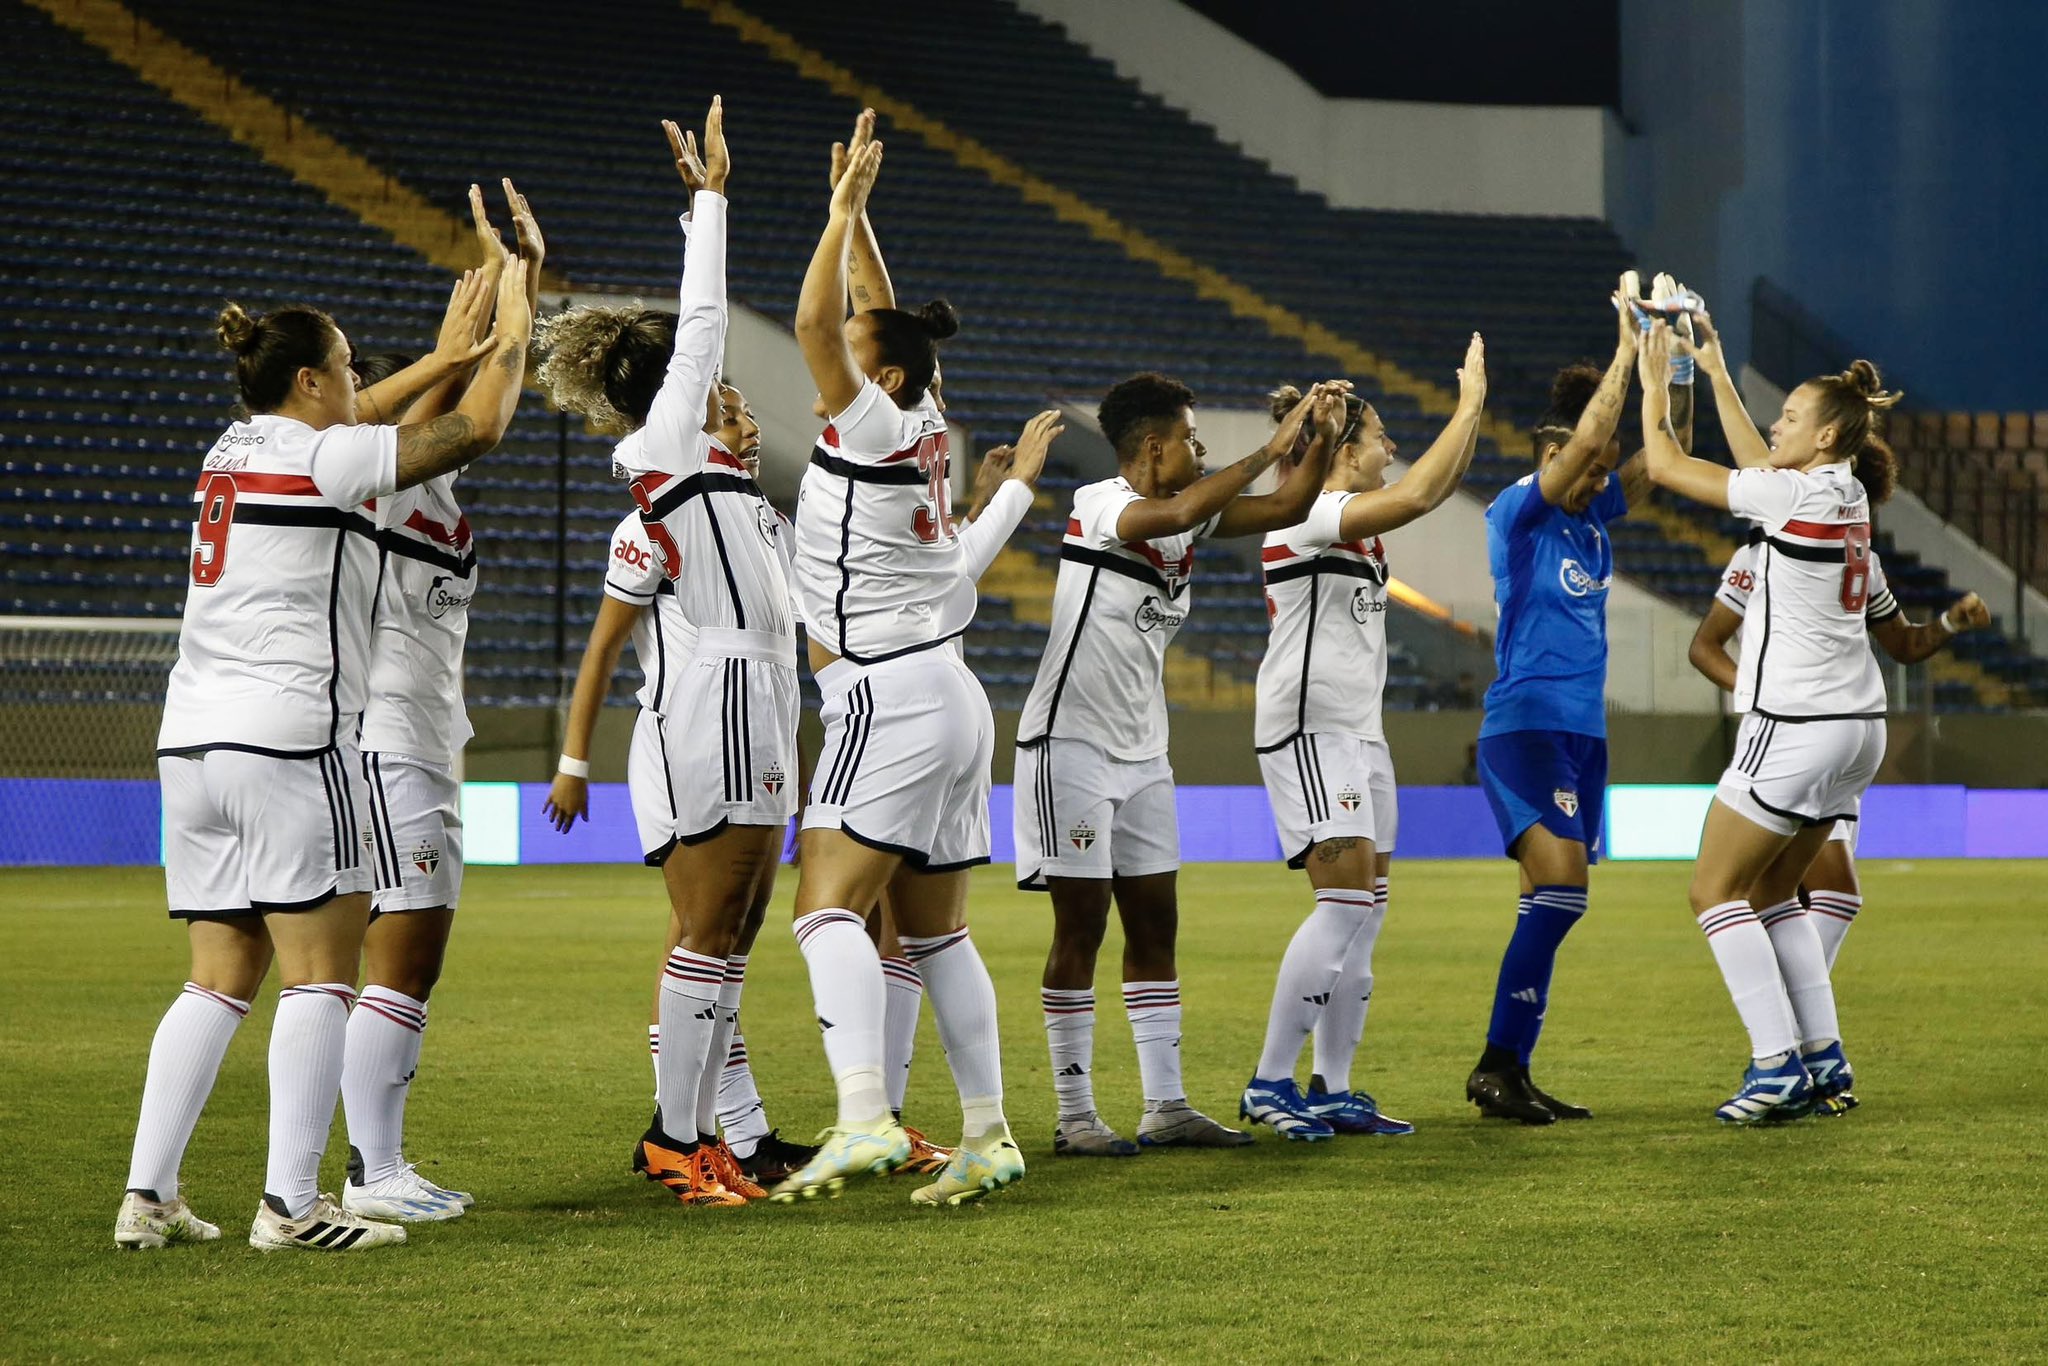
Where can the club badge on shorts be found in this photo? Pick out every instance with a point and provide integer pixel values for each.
(1349, 799)
(772, 778)
(426, 857)
(1567, 801)
(1082, 836)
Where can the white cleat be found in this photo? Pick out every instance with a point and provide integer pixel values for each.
(146, 1223)
(326, 1227)
(407, 1197)
(979, 1166)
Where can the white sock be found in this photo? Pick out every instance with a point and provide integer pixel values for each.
(1343, 1021)
(1832, 914)
(690, 983)
(964, 1007)
(712, 1078)
(308, 1044)
(654, 1056)
(1803, 967)
(1308, 974)
(385, 1031)
(1070, 1034)
(899, 1024)
(184, 1059)
(1154, 1008)
(741, 1115)
(1750, 968)
(846, 987)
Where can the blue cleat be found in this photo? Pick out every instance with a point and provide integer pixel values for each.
(1783, 1091)
(1354, 1112)
(1832, 1079)
(1281, 1105)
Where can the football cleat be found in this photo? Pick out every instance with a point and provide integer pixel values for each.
(1087, 1136)
(1832, 1076)
(1506, 1094)
(1354, 1112)
(639, 1146)
(977, 1167)
(147, 1223)
(726, 1168)
(1281, 1105)
(407, 1197)
(1563, 1109)
(689, 1174)
(326, 1227)
(843, 1153)
(1782, 1091)
(1177, 1124)
(773, 1158)
(926, 1158)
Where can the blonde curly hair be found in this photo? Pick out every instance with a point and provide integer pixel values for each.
(605, 364)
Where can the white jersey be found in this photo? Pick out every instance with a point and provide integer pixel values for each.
(1738, 581)
(1805, 653)
(701, 507)
(425, 585)
(663, 638)
(1117, 606)
(1326, 656)
(879, 567)
(273, 655)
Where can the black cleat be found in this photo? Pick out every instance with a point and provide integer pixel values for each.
(639, 1144)
(775, 1159)
(1563, 1109)
(1506, 1094)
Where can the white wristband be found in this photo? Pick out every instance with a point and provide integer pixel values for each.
(1952, 630)
(575, 768)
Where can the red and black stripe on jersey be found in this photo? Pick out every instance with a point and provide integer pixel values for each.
(1283, 564)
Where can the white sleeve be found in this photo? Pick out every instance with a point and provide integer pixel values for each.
(1879, 604)
(352, 465)
(1737, 580)
(982, 539)
(1098, 507)
(1324, 525)
(872, 428)
(632, 573)
(1768, 496)
(675, 421)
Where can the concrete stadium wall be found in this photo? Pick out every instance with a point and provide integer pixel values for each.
(1358, 154)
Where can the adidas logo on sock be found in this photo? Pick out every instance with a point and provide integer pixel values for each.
(824, 1023)
(708, 1013)
(1528, 996)
(1073, 1069)
(1319, 999)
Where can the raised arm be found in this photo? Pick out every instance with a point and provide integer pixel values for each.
(997, 513)
(569, 796)
(867, 279)
(1436, 475)
(682, 406)
(1709, 650)
(1669, 466)
(448, 442)
(1909, 643)
(821, 306)
(1148, 518)
(1745, 442)
(1603, 413)
(1287, 505)
(463, 340)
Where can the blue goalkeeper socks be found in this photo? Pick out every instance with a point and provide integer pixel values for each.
(1542, 920)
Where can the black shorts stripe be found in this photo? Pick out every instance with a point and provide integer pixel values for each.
(333, 807)
(746, 733)
(860, 707)
(382, 826)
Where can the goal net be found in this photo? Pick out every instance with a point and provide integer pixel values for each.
(80, 699)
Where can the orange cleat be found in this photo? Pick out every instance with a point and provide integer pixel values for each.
(727, 1168)
(692, 1177)
(926, 1158)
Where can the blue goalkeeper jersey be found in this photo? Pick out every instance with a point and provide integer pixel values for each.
(1551, 571)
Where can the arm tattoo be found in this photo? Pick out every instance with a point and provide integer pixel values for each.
(860, 292)
(1681, 416)
(426, 449)
(512, 357)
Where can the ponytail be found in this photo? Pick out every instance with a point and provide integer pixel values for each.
(271, 350)
(1855, 402)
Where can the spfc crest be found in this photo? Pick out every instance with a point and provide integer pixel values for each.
(1349, 799)
(1082, 836)
(772, 778)
(426, 857)
(1567, 802)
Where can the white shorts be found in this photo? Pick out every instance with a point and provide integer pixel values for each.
(1081, 812)
(729, 737)
(1325, 786)
(249, 834)
(416, 822)
(1847, 829)
(647, 784)
(1790, 775)
(905, 763)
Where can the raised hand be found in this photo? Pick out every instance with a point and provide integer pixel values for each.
(842, 152)
(1326, 412)
(533, 249)
(1968, 614)
(1627, 319)
(1029, 461)
(1472, 374)
(1288, 434)
(850, 195)
(717, 160)
(989, 475)
(465, 334)
(689, 163)
(1653, 360)
(1706, 347)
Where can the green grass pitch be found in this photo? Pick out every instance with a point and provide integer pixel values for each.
(1912, 1229)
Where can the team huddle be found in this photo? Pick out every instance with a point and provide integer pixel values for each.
(315, 715)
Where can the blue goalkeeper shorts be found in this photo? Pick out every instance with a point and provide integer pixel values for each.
(1552, 778)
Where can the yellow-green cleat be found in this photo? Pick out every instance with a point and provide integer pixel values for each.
(843, 1153)
(980, 1166)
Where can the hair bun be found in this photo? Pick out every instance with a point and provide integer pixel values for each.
(1282, 400)
(1862, 376)
(1575, 386)
(939, 319)
(236, 329)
